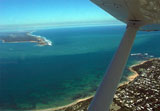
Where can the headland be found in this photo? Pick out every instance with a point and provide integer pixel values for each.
(20, 37)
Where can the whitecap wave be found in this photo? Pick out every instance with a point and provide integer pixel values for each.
(143, 55)
(136, 54)
(47, 41)
(146, 54)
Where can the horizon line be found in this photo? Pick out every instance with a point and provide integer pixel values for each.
(49, 26)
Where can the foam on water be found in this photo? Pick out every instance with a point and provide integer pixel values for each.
(136, 54)
(47, 41)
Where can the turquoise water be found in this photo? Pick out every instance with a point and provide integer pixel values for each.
(33, 77)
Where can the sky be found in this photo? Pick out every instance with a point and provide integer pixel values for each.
(36, 12)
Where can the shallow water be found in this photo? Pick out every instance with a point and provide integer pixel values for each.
(33, 77)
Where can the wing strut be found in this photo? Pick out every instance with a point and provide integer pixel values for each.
(105, 93)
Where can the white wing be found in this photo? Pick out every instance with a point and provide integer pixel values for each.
(147, 11)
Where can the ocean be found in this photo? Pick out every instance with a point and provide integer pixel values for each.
(34, 77)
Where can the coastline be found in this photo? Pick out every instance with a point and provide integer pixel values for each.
(83, 103)
(26, 37)
(129, 79)
(143, 90)
(65, 106)
(40, 37)
(134, 73)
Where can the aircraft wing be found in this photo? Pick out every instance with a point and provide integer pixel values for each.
(119, 9)
(147, 11)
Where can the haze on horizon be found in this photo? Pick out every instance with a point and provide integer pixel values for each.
(52, 12)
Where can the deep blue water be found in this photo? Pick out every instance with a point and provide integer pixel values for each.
(33, 77)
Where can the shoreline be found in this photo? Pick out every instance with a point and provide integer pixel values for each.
(129, 79)
(65, 106)
(40, 37)
(83, 103)
(132, 95)
(134, 73)
(28, 37)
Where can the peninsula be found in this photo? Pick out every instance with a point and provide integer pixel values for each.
(20, 37)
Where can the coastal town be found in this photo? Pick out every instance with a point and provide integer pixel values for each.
(140, 94)
(143, 93)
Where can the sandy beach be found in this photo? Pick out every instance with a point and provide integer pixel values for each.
(66, 106)
(135, 74)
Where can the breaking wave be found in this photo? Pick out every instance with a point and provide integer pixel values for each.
(47, 41)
